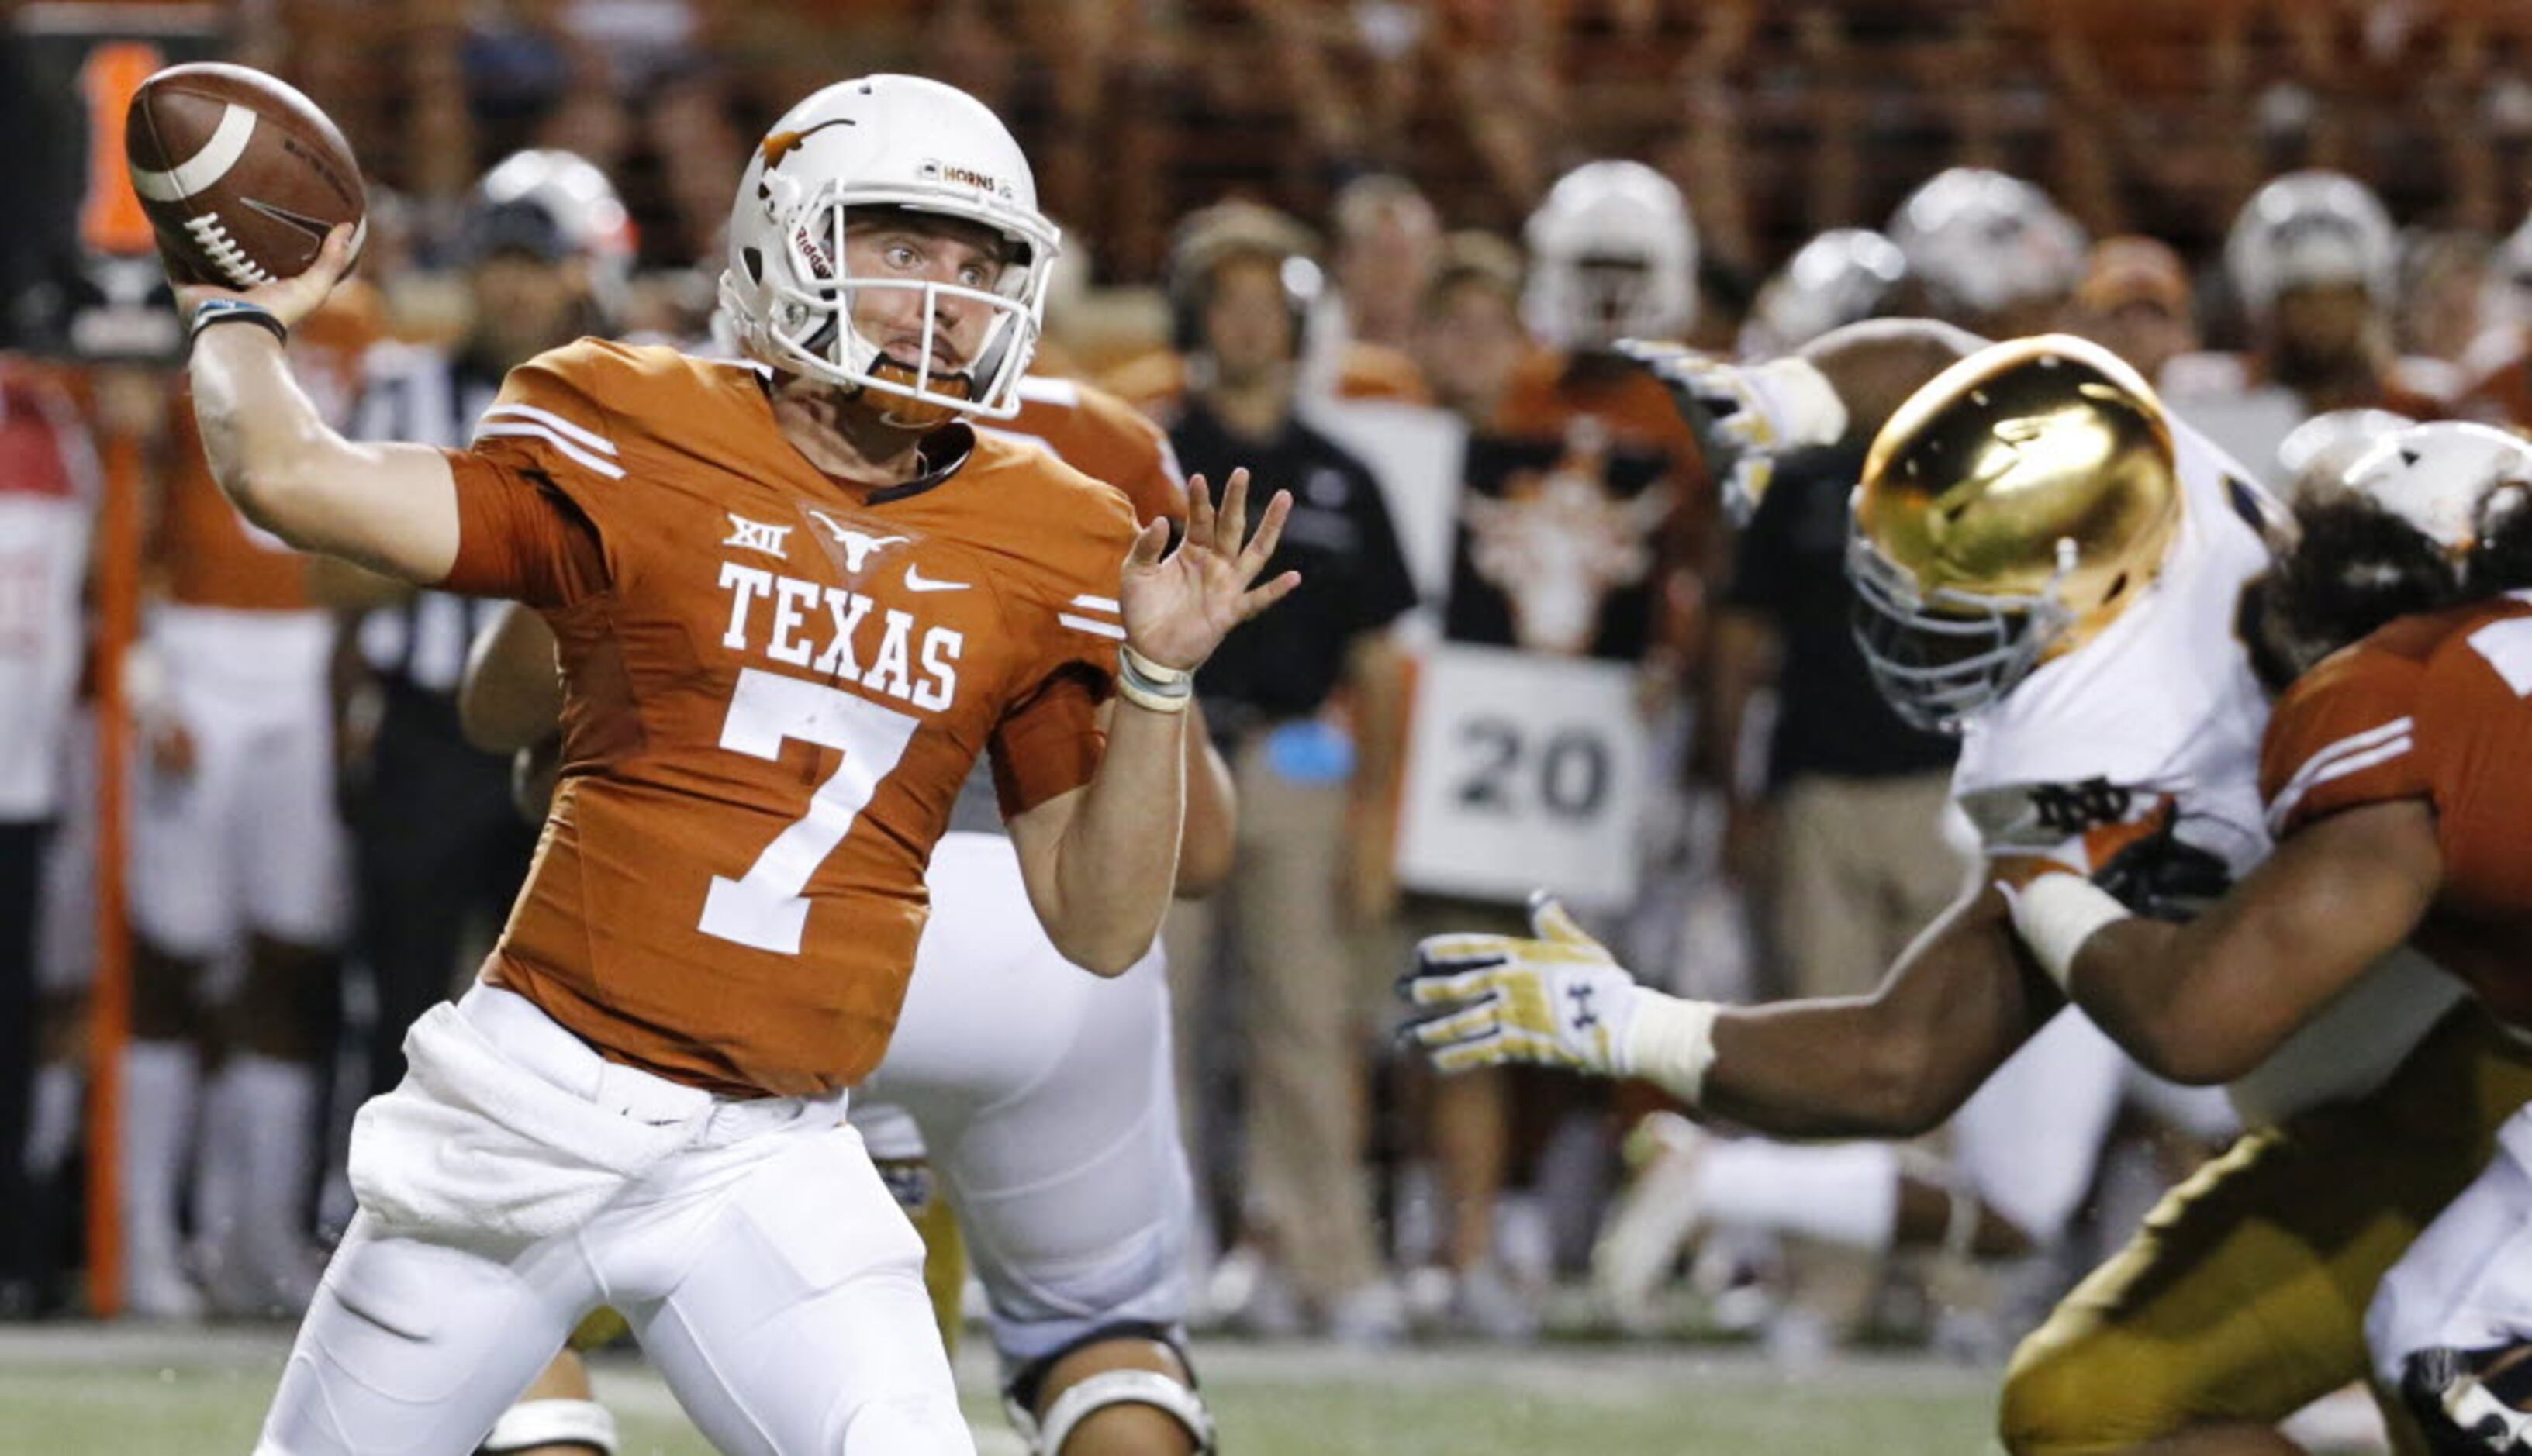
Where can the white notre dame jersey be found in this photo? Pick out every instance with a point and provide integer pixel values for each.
(2163, 705)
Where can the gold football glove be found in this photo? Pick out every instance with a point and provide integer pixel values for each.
(1554, 999)
(1744, 415)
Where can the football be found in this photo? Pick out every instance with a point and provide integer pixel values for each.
(241, 176)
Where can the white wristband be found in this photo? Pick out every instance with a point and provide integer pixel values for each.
(1801, 401)
(1150, 686)
(2055, 914)
(1670, 1042)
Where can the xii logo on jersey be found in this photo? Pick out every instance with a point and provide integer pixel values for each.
(756, 536)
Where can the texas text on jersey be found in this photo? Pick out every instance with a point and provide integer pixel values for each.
(763, 742)
(2430, 707)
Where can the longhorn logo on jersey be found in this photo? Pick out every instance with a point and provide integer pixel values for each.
(857, 545)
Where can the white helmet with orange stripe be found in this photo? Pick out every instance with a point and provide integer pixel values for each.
(886, 141)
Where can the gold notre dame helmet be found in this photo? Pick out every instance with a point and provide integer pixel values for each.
(2010, 510)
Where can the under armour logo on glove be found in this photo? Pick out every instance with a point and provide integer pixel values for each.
(1583, 1017)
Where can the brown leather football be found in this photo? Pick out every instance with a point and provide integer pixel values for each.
(241, 174)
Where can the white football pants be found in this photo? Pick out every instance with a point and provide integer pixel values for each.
(2467, 1281)
(1043, 1096)
(766, 1272)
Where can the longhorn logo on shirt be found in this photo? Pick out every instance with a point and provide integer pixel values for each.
(857, 545)
(1558, 541)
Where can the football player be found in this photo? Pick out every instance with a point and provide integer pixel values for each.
(2050, 562)
(1989, 252)
(1039, 1099)
(793, 603)
(238, 883)
(2386, 774)
(2312, 260)
(1839, 277)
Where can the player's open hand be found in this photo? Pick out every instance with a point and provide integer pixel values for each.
(290, 300)
(1554, 998)
(1179, 604)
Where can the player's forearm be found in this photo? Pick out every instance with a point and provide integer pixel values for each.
(391, 508)
(1117, 863)
(2142, 985)
(1896, 1063)
(265, 442)
(511, 695)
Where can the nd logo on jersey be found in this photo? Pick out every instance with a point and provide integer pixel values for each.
(2072, 808)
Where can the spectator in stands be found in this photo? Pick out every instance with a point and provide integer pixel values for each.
(2312, 258)
(1312, 979)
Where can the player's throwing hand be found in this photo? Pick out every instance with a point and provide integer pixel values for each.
(289, 299)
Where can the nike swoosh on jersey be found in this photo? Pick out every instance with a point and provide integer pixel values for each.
(916, 580)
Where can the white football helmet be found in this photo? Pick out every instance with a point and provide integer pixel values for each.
(556, 204)
(1984, 242)
(2310, 228)
(1612, 256)
(2320, 449)
(2438, 476)
(896, 141)
(1842, 276)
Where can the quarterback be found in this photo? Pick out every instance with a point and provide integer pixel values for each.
(1037, 1100)
(2053, 567)
(793, 605)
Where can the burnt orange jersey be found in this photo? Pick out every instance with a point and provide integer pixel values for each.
(1104, 438)
(775, 684)
(1603, 405)
(211, 557)
(2434, 708)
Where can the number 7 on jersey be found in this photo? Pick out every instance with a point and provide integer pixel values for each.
(764, 908)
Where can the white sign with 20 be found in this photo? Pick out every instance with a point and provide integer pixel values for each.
(1524, 772)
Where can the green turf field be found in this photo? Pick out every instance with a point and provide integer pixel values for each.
(71, 1391)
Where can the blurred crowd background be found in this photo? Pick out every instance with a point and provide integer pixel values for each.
(1374, 251)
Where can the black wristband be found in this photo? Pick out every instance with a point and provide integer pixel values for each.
(236, 311)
